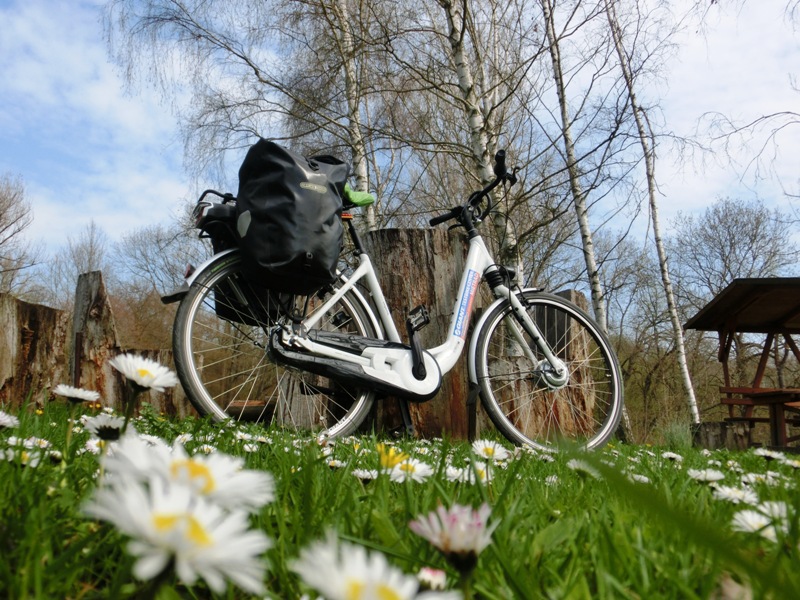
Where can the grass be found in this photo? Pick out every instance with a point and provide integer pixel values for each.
(622, 522)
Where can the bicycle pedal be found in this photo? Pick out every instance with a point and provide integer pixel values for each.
(418, 318)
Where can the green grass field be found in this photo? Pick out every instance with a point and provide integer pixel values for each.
(621, 522)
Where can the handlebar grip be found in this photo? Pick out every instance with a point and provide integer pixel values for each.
(500, 163)
(442, 218)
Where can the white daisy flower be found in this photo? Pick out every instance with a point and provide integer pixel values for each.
(75, 394)
(170, 523)
(706, 475)
(343, 571)
(777, 511)
(220, 478)
(551, 480)
(92, 446)
(756, 478)
(672, 456)
(636, 477)
(478, 471)
(143, 372)
(411, 469)
(23, 456)
(489, 450)
(432, 579)
(104, 426)
(8, 421)
(769, 454)
(250, 447)
(735, 495)
(184, 438)
(153, 440)
(206, 449)
(455, 474)
(459, 532)
(365, 475)
(752, 521)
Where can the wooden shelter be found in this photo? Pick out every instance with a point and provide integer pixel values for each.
(771, 307)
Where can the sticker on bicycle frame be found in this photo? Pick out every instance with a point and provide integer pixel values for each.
(465, 307)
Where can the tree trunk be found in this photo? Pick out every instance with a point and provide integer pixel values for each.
(479, 130)
(650, 167)
(578, 195)
(424, 266)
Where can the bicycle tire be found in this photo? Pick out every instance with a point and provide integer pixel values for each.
(220, 348)
(584, 412)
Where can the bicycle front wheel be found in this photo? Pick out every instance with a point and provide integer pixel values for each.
(220, 341)
(517, 389)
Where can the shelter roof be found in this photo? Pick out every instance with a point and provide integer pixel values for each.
(759, 305)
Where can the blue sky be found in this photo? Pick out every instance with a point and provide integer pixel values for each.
(87, 150)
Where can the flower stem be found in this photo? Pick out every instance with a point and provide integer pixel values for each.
(465, 583)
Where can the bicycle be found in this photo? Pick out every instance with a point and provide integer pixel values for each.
(545, 372)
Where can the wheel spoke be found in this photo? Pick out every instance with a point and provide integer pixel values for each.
(221, 357)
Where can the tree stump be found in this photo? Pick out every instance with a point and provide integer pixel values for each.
(33, 344)
(424, 266)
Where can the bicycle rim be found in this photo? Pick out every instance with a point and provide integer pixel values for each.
(220, 342)
(520, 396)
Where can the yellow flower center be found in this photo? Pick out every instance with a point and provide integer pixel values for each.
(196, 471)
(390, 457)
(143, 373)
(386, 593)
(407, 467)
(488, 451)
(194, 530)
(355, 591)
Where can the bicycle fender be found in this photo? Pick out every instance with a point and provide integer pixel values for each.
(205, 264)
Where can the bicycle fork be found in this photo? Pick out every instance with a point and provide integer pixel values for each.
(551, 370)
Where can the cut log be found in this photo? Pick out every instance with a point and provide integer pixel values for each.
(424, 266)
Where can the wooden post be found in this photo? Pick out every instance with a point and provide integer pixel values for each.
(424, 266)
(95, 342)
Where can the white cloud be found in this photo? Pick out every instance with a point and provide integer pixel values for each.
(85, 149)
(740, 66)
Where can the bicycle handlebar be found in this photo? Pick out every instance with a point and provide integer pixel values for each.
(501, 174)
(446, 217)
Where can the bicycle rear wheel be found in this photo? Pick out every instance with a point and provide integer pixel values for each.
(220, 340)
(520, 396)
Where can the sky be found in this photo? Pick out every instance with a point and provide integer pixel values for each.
(87, 149)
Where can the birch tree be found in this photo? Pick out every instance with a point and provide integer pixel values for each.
(646, 136)
(575, 11)
(274, 69)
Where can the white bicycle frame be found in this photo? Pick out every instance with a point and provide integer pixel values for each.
(444, 356)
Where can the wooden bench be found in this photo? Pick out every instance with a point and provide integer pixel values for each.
(779, 402)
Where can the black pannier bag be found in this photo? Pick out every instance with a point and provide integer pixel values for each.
(289, 211)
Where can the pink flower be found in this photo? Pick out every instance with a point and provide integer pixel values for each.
(460, 533)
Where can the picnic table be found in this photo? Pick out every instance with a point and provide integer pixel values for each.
(769, 307)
